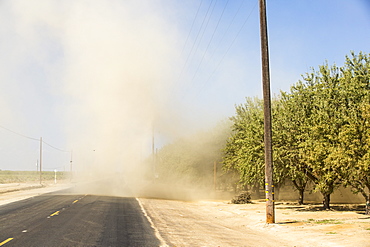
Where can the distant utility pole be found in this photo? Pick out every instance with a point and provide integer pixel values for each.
(40, 160)
(70, 162)
(153, 143)
(269, 184)
(153, 154)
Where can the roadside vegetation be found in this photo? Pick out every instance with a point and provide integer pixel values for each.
(320, 132)
(321, 136)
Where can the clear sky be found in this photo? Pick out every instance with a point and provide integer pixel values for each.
(104, 75)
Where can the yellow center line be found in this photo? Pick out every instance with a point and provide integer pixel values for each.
(5, 241)
(74, 201)
(56, 213)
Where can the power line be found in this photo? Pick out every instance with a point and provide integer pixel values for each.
(61, 150)
(228, 49)
(195, 41)
(34, 139)
(232, 42)
(19, 134)
(228, 28)
(191, 28)
(206, 26)
(210, 41)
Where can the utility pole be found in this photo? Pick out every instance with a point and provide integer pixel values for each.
(269, 184)
(40, 160)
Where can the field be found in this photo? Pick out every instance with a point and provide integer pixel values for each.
(30, 176)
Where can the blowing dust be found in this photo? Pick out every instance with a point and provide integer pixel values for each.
(100, 79)
(107, 71)
(104, 82)
(119, 61)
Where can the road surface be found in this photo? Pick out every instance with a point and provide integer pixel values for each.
(75, 220)
(83, 216)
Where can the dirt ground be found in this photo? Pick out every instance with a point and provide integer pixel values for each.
(219, 223)
(13, 192)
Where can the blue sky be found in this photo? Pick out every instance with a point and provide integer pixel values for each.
(302, 34)
(102, 75)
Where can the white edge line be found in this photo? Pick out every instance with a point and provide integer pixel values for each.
(157, 234)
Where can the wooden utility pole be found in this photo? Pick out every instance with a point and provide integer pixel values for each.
(40, 160)
(269, 184)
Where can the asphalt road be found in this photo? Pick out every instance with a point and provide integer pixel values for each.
(66, 219)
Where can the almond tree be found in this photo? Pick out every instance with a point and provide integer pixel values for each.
(288, 127)
(244, 151)
(334, 131)
(321, 137)
(355, 135)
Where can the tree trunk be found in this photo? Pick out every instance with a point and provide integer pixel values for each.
(326, 201)
(301, 196)
(367, 198)
(301, 189)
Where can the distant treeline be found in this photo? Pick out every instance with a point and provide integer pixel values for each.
(30, 176)
(190, 161)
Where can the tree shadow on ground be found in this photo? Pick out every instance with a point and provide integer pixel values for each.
(359, 208)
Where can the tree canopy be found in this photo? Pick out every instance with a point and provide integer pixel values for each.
(320, 132)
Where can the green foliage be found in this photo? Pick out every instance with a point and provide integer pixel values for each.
(288, 139)
(321, 127)
(320, 132)
(244, 151)
(355, 135)
(333, 129)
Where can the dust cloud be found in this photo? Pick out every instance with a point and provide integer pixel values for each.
(118, 74)
(98, 78)
(101, 73)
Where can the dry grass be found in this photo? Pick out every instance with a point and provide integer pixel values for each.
(29, 176)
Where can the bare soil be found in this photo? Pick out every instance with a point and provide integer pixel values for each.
(219, 223)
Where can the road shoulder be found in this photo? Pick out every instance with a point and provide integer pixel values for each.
(212, 223)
